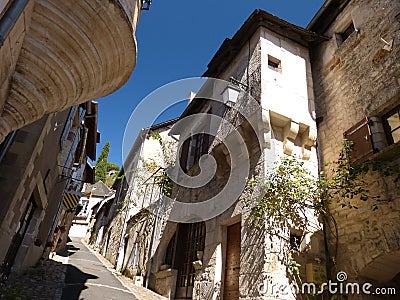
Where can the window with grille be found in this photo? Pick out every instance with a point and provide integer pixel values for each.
(191, 238)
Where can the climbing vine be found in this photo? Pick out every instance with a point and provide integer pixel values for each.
(289, 196)
(289, 193)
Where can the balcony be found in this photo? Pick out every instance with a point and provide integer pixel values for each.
(61, 53)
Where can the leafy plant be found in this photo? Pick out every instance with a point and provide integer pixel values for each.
(101, 163)
(290, 196)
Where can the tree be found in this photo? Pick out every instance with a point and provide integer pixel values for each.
(102, 164)
(112, 167)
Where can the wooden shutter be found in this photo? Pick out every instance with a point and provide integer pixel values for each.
(184, 154)
(363, 146)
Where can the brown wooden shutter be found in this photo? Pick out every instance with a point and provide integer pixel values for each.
(363, 146)
(184, 154)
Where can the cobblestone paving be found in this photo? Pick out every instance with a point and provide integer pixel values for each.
(46, 281)
(41, 282)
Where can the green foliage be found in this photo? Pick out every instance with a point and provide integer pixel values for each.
(165, 183)
(288, 193)
(102, 163)
(285, 196)
(103, 166)
(111, 166)
(157, 137)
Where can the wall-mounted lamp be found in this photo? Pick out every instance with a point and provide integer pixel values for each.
(230, 93)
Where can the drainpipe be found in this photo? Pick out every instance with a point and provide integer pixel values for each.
(10, 18)
(6, 144)
(82, 157)
(150, 258)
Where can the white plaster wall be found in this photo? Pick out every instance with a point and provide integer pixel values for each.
(286, 93)
(151, 151)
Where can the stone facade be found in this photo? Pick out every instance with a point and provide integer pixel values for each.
(129, 235)
(57, 54)
(36, 172)
(279, 120)
(353, 79)
(297, 78)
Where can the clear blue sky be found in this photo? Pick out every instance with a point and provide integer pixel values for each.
(177, 39)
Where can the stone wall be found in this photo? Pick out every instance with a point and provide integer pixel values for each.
(353, 79)
(261, 253)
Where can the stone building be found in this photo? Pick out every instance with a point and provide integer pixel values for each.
(267, 97)
(56, 54)
(356, 85)
(43, 166)
(126, 241)
(283, 90)
(92, 194)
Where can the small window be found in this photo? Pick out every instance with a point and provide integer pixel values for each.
(392, 125)
(85, 204)
(347, 32)
(274, 64)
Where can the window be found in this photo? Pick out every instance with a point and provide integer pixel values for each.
(392, 125)
(347, 32)
(373, 134)
(191, 238)
(274, 64)
(85, 204)
(193, 148)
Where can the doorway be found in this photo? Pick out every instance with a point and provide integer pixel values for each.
(232, 262)
(191, 238)
(18, 237)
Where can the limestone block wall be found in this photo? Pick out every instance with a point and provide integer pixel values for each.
(112, 235)
(28, 173)
(353, 79)
(292, 100)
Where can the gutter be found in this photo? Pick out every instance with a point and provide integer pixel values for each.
(10, 18)
(318, 14)
(326, 15)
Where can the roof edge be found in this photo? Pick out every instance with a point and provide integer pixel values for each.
(326, 14)
(259, 18)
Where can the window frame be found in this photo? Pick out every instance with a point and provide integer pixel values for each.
(274, 64)
(388, 130)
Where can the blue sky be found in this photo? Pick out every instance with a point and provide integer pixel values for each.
(176, 40)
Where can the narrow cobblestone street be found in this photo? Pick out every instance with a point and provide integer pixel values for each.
(88, 278)
(79, 273)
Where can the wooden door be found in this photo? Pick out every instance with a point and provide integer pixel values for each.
(232, 263)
